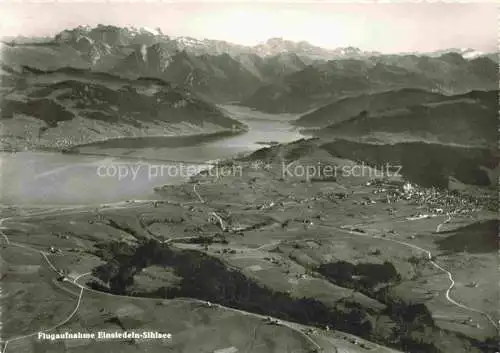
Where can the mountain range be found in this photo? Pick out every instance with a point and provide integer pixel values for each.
(275, 76)
(326, 82)
(80, 73)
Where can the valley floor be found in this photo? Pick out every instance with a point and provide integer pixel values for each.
(213, 260)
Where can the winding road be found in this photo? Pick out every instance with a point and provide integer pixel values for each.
(51, 265)
(440, 225)
(197, 194)
(293, 326)
(436, 265)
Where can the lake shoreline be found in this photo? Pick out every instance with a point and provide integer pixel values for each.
(126, 169)
(167, 140)
(156, 141)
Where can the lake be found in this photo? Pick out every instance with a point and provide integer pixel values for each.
(107, 173)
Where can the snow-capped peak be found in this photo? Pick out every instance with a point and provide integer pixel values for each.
(471, 53)
(142, 30)
(155, 32)
(187, 40)
(84, 28)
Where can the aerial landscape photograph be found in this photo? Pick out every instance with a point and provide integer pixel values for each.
(249, 177)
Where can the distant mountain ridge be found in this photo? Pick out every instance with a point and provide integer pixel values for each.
(217, 77)
(277, 76)
(130, 35)
(326, 82)
(113, 35)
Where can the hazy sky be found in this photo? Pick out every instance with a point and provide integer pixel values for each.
(386, 27)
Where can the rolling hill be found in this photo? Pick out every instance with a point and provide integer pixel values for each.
(468, 119)
(349, 107)
(423, 163)
(426, 164)
(70, 107)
